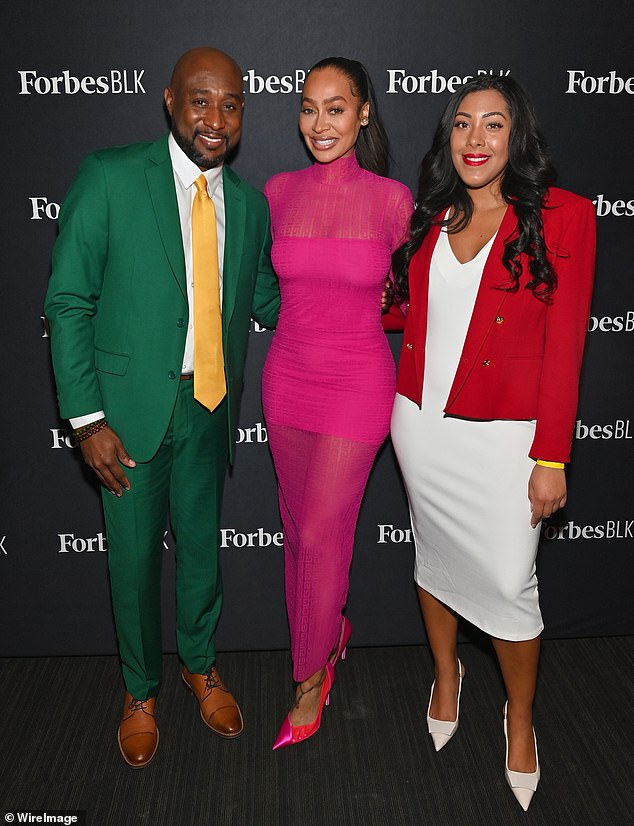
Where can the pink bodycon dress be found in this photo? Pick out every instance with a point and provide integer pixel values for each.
(329, 378)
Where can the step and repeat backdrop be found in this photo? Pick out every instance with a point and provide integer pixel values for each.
(77, 76)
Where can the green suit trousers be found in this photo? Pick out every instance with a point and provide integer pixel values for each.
(185, 478)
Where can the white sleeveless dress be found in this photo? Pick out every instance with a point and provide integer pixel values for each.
(467, 480)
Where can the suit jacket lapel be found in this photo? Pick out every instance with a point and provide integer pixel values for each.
(160, 180)
(235, 217)
(419, 293)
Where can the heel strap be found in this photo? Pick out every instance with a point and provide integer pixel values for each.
(304, 692)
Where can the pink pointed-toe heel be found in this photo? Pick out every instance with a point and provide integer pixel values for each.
(288, 734)
(443, 730)
(523, 784)
(342, 645)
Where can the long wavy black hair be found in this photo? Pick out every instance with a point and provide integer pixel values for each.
(524, 184)
(372, 148)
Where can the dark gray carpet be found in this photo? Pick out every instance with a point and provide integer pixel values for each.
(372, 762)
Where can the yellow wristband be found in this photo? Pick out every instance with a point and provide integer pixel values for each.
(544, 463)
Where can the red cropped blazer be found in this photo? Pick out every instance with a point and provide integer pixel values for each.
(521, 356)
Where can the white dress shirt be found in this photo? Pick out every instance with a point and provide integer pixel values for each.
(185, 173)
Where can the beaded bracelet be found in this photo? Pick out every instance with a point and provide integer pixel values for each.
(77, 431)
(88, 430)
(544, 463)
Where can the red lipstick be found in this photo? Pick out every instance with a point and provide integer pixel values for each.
(475, 159)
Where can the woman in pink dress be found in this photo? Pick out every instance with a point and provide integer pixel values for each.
(329, 378)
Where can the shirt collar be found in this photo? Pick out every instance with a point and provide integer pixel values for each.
(187, 171)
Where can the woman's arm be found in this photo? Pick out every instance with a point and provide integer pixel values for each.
(570, 234)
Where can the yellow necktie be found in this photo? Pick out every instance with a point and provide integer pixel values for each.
(209, 373)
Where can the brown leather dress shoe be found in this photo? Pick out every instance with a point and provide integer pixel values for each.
(218, 707)
(138, 735)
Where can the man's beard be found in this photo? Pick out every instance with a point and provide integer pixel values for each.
(201, 160)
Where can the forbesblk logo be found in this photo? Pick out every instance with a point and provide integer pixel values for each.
(62, 438)
(618, 429)
(114, 82)
(68, 543)
(611, 84)
(618, 207)
(42, 208)
(433, 82)
(255, 84)
(252, 435)
(611, 529)
(259, 538)
(612, 323)
(391, 533)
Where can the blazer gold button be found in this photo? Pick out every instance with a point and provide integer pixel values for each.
(499, 319)
(486, 362)
(410, 346)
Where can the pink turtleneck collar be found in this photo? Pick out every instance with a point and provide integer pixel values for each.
(342, 169)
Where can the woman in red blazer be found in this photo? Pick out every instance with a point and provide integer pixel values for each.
(498, 273)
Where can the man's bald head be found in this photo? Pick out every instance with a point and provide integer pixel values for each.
(205, 101)
(194, 59)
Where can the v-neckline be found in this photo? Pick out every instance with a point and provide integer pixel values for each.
(487, 246)
(483, 247)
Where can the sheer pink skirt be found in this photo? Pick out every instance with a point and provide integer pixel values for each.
(321, 480)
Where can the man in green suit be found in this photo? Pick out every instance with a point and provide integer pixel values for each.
(120, 307)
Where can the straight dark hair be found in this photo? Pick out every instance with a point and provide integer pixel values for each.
(372, 149)
(524, 185)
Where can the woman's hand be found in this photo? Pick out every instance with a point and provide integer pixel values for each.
(546, 492)
(387, 297)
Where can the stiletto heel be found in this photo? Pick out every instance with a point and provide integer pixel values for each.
(342, 645)
(289, 734)
(523, 784)
(443, 730)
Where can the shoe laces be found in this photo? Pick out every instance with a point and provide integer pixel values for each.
(212, 680)
(136, 705)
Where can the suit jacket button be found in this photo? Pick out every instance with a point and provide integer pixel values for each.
(499, 319)
(171, 375)
(180, 322)
(410, 346)
(486, 362)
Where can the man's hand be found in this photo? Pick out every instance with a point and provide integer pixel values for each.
(546, 492)
(102, 452)
(387, 298)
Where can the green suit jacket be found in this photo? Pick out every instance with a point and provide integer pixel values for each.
(117, 299)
